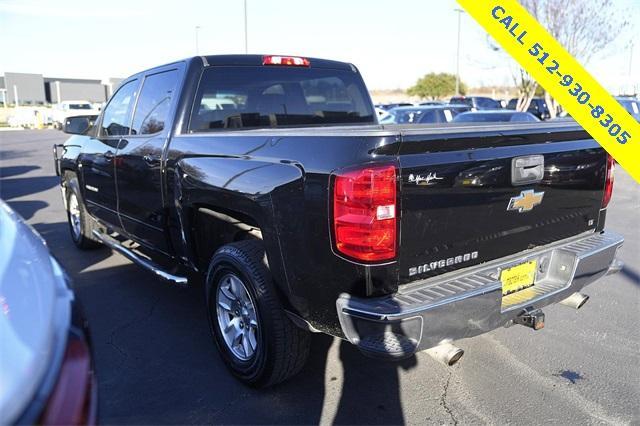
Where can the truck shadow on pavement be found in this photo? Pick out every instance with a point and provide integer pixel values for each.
(12, 154)
(11, 171)
(27, 209)
(156, 362)
(12, 187)
(20, 187)
(631, 275)
(370, 391)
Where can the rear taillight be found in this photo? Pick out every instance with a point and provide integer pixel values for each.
(608, 185)
(292, 61)
(364, 213)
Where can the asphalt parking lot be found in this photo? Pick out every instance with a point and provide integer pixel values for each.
(156, 363)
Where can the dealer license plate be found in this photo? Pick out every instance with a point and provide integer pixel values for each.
(518, 277)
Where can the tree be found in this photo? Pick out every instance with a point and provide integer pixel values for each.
(583, 27)
(527, 88)
(436, 85)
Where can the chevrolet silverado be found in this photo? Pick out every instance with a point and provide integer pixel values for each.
(270, 178)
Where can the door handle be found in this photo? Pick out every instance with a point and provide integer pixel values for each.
(527, 170)
(150, 160)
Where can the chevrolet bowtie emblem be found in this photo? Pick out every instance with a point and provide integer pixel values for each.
(526, 201)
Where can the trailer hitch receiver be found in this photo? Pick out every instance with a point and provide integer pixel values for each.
(532, 318)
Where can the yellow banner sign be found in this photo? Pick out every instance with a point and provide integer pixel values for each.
(562, 76)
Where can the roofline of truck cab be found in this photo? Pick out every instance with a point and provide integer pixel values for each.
(256, 60)
(244, 60)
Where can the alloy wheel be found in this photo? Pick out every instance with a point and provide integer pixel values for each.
(237, 317)
(74, 216)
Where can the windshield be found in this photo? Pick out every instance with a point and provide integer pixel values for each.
(263, 97)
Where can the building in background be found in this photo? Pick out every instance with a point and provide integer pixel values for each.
(34, 89)
(69, 89)
(23, 89)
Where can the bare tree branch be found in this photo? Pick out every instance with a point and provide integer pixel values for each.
(583, 27)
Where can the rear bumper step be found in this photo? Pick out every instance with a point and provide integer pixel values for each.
(139, 260)
(469, 302)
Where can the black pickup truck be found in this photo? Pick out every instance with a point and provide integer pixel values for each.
(270, 177)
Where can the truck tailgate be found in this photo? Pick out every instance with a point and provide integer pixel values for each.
(460, 204)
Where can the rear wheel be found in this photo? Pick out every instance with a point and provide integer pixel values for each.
(256, 339)
(80, 225)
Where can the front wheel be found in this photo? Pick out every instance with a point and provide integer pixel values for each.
(256, 339)
(79, 221)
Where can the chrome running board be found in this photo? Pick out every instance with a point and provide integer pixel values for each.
(139, 260)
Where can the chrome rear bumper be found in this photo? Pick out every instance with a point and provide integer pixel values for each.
(469, 302)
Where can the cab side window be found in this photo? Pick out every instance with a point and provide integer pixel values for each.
(117, 115)
(153, 105)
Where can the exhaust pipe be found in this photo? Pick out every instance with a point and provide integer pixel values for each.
(575, 301)
(446, 353)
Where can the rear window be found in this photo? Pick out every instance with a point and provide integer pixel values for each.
(264, 97)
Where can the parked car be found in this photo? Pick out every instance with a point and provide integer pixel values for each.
(393, 105)
(309, 216)
(563, 116)
(423, 114)
(65, 109)
(537, 107)
(476, 102)
(632, 105)
(495, 116)
(45, 368)
(458, 108)
(382, 114)
(426, 103)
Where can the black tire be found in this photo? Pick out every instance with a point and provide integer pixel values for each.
(282, 348)
(82, 237)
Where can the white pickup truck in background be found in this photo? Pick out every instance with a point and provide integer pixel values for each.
(65, 109)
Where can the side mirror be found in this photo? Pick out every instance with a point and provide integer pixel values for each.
(79, 125)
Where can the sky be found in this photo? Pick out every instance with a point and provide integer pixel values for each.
(393, 43)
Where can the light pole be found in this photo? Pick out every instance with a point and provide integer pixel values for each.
(460, 12)
(197, 46)
(246, 41)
